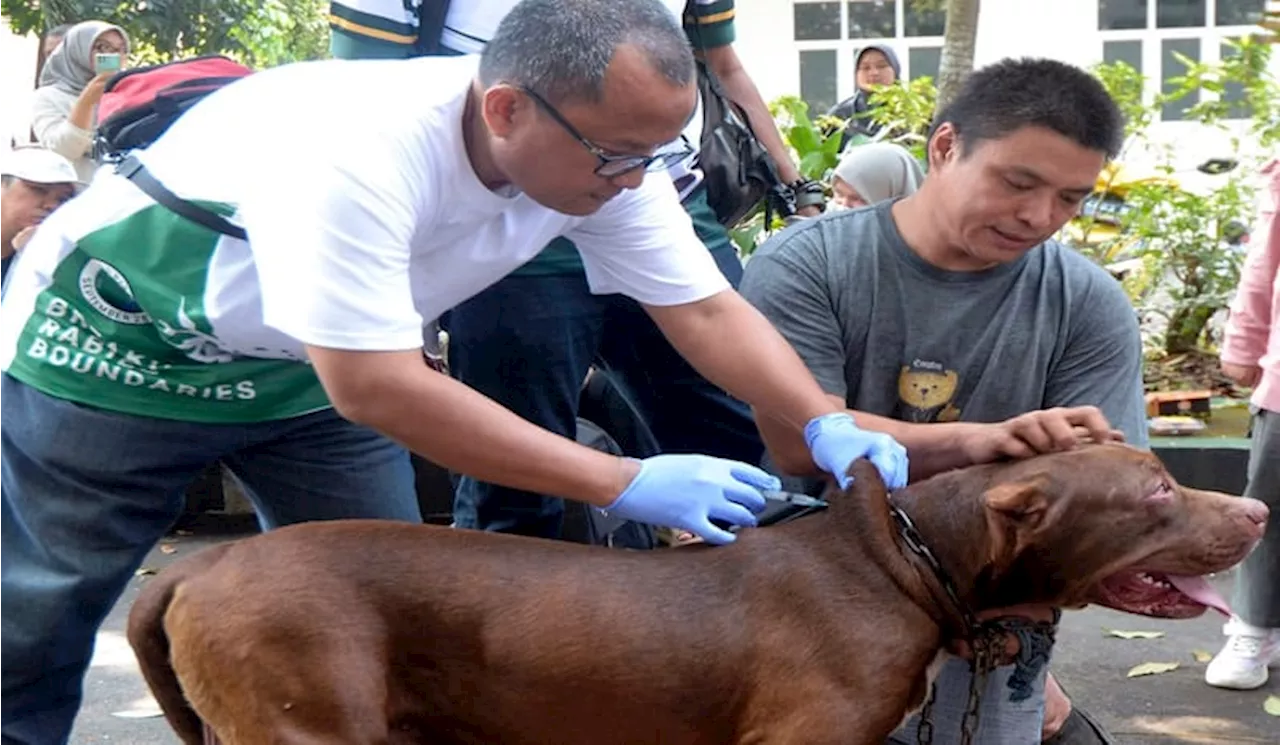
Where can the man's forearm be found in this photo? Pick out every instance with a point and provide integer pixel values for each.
(735, 347)
(460, 429)
(931, 448)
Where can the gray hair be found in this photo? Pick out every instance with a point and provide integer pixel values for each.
(560, 48)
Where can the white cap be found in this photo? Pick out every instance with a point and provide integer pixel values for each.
(39, 166)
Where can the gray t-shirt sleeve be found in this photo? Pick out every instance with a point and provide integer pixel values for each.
(787, 282)
(1101, 362)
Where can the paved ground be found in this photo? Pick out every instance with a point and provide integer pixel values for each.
(1175, 708)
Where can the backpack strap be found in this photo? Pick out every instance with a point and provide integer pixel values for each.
(133, 169)
(432, 15)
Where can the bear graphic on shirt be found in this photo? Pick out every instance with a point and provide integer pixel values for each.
(925, 392)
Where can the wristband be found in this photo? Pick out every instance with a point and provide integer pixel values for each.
(809, 194)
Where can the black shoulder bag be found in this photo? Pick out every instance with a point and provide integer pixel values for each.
(738, 171)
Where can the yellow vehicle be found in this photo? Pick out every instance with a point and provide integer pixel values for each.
(1099, 230)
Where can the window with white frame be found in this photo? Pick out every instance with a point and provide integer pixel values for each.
(828, 36)
(1148, 33)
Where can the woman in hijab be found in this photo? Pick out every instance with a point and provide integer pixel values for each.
(875, 66)
(874, 172)
(63, 108)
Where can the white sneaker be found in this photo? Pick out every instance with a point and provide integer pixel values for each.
(1242, 663)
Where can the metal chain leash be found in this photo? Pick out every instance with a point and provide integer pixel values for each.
(986, 642)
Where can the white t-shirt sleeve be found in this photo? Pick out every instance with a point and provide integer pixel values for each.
(642, 244)
(331, 243)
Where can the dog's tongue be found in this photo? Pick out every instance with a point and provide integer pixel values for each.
(1199, 590)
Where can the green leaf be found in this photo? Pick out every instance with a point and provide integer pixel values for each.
(813, 165)
(803, 139)
(1135, 634)
(1151, 668)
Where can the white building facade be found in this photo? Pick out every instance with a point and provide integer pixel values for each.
(807, 47)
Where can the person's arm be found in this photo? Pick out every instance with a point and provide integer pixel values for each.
(452, 425)
(641, 244)
(1249, 323)
(735, 347)
(54, 129)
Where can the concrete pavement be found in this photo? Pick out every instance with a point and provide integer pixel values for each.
(1174, 708)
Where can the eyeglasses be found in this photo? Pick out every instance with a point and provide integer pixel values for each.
(611, 165)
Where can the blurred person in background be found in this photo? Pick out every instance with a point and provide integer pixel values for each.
(875, 67)
(33, 183)
(64, 105)
(874, 172)
(1251, 357)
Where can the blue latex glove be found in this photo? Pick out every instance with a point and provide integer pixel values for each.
(689, 491)
(836, 442)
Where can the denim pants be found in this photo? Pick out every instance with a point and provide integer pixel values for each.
(1001, 720)
(87, 493)
(527, 341)
(1257, 592)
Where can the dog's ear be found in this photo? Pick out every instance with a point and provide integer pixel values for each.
(1015, 511)
(867, 482)
(1020, 500)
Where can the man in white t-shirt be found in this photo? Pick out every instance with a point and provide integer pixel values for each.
(139, 347)
(507, 326)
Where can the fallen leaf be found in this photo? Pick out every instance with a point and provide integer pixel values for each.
(1135, 634)
(144, 572)
(1151, 668)
(138, 713)
(1201, 655)
(168, 549)
(1272, 705)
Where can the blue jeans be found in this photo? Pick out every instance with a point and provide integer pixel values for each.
(87, 493)
(1001, 720)
(527, 341)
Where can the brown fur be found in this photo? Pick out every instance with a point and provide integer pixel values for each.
(816, 631)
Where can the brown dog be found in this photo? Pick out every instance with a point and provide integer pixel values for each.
(816, 631)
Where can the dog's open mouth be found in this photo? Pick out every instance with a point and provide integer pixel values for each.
(1159, 595)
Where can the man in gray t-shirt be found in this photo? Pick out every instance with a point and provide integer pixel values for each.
(950, 320)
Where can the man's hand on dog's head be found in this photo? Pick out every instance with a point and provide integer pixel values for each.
(1037, 432)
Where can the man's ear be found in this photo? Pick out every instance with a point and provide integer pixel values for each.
(502, 106)
(944, 145)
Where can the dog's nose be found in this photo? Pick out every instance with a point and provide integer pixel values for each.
(1256, 511)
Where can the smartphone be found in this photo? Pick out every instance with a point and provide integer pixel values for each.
(106, 62)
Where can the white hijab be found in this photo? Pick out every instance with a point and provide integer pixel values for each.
(880, 171)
